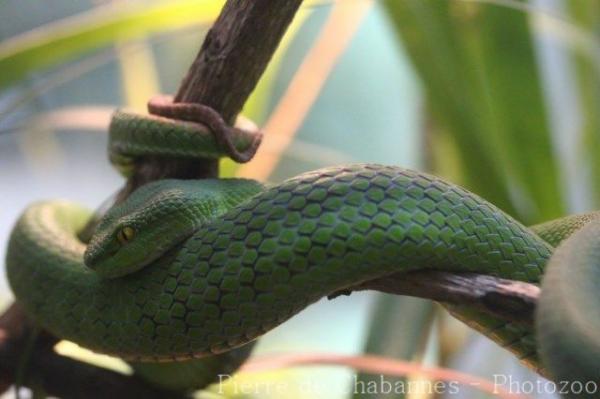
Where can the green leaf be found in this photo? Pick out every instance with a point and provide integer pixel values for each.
(398, 329)
(62, 41)
(586, 14)
(478, 67)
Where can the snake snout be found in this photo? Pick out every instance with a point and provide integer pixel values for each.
(94, 255)
(90, 258)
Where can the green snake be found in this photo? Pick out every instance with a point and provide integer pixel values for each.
(179, 278)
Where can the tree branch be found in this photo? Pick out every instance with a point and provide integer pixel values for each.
(235, 54)
(510, 300)
(232, 59)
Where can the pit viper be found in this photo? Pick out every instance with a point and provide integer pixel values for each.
(181, 276)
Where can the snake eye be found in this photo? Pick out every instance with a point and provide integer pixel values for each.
(126, 234)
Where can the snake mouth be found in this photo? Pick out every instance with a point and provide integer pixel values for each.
(92, 257)
(112, 262)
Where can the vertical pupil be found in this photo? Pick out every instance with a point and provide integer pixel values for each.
(125, 234)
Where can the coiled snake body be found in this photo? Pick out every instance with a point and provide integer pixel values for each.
(186, 269)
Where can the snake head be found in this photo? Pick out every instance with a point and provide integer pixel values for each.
(156, 218)
(133, 234)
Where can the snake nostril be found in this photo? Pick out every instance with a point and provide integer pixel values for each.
(90, 258)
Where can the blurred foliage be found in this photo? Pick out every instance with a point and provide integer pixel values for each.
(478, 66)
(488, 120)
(586, 14)
(389, 320)
(67, 39)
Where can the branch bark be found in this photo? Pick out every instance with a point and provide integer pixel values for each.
(239, 47)
(230, 62)
(232, 58)
(510, 300)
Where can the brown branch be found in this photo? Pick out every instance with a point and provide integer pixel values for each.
(226, 70)
(238, 47)
(510, 300)
(234, 55)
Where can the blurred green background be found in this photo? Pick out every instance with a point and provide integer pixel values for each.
(499, 96)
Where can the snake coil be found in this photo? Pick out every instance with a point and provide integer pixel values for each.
(180, 277)
(203, 114)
